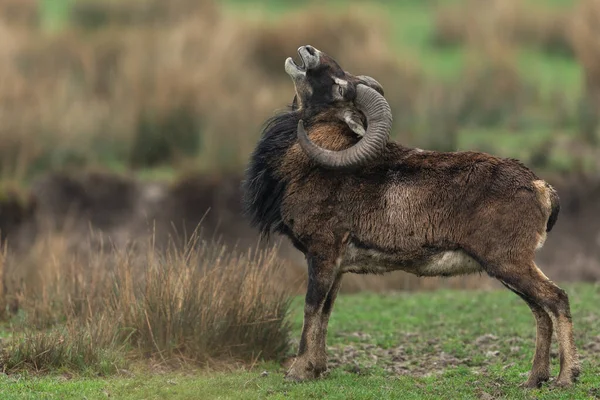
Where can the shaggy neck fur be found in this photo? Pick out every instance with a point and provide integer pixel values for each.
(263, 186)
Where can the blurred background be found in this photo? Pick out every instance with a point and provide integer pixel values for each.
(126, 118)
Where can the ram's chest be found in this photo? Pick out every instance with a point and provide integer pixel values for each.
(444, 263)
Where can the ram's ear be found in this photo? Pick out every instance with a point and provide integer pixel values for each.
(354, 120)
(295, 103)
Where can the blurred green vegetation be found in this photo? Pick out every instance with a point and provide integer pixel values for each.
(413, 26)
(55, 13)
(465, 86)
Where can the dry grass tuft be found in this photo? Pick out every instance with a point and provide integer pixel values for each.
(208, 303)
(89, 348)
(199, 305)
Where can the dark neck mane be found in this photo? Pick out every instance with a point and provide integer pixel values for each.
(262, 187)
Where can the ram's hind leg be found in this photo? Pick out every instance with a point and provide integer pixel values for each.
(531, 284)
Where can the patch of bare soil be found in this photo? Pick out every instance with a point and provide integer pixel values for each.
(414, 358)
(592, 348)
(426, 358)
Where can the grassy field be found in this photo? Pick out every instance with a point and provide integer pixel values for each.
(108, 97)
(446, 344)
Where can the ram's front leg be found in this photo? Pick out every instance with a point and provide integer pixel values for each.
(311, 360)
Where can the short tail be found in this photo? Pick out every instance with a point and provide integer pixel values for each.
(555, 208)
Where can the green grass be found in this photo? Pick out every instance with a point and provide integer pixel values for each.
(54, 13)
(424, 328)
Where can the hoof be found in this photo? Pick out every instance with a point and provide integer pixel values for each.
(563, 383)
(293, 376)
(568, 379)
(535, 381)
(301, 371)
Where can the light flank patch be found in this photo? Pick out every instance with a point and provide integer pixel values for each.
(370, 261)
(367, 261)
(450, 263)
(541, 240)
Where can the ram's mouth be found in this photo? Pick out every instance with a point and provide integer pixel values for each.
(299, 66)
(309, 57)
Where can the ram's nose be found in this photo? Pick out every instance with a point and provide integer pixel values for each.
(309, 49)
(310, 56)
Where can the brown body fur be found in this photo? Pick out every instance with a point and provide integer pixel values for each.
(417, 203)
(425, 212)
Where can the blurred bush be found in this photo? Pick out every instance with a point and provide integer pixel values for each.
(20, 13)
(149, 83)
(512, 21)
(585, 34)
(497, 32)
(102, 14)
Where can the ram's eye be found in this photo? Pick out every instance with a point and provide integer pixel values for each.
(341, 91)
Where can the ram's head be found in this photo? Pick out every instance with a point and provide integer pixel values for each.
(325, 90)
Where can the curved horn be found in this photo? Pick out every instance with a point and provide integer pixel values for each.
(379, 125)
(371, 82)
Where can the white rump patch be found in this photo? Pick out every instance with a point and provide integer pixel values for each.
(367, 261)
(541, 240)
(544, 196)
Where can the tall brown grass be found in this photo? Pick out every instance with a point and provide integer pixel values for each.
(494, 28)
(584, 31)
(200, 305)
(100, 14)
(146, 83)
(188, 85)
(20, 13)
(478, 22)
